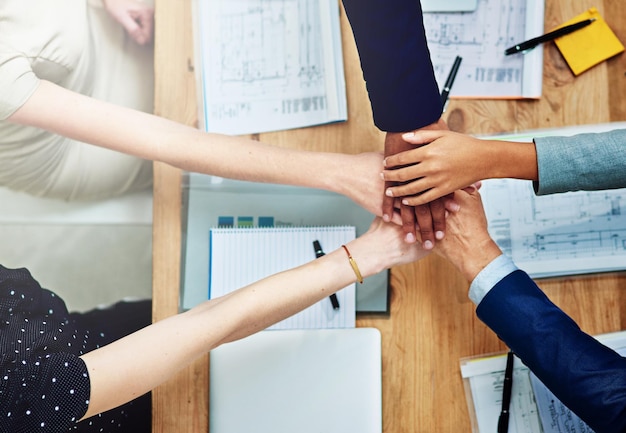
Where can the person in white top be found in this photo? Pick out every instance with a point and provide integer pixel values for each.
(52, 68)
(81, 47)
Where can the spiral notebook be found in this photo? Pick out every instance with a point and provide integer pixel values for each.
(240, 256)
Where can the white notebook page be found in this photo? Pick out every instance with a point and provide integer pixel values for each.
(240, 256)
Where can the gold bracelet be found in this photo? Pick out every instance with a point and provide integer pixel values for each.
(355, 267)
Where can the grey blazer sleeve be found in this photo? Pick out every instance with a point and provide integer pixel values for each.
(581, 162)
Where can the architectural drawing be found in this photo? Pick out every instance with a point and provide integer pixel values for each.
(268, 64)
(480, 38)
(571, 233)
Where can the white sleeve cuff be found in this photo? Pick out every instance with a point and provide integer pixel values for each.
(491, 275)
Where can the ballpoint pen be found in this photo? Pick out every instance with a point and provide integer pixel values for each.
(445, 93)
(503, 420)
(319, 253)
(532, 43)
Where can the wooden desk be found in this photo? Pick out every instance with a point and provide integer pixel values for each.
(432, 322)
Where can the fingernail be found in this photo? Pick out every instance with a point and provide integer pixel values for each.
(382, 175)
(408, 134)
(410, 238)
(455, 207)
(439, 235)
(405, 202)
(386, 218)
(428, 245)
(388, 192)
(385, 162)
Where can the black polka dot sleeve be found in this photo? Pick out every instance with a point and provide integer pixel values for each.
(43, 394)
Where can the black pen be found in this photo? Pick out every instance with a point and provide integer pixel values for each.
(445, 93)
(503, 420)
(532, 43)
(319, 253)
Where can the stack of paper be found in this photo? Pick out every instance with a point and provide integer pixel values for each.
(269, 65)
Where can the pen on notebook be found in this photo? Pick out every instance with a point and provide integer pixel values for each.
(319, 253)
(445, 93)
(503, 420)
(532, 43)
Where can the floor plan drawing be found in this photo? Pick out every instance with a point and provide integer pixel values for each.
(570, 233)
(480, 38)
(269, 64)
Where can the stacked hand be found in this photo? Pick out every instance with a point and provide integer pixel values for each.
(428, 216)
(426, 176)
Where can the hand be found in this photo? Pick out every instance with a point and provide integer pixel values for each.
(135, 16)
(448, 161)
(383, 247)
(362, 184)
(429, 217)
(468, 245)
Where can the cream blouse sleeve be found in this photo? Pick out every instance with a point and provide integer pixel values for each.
(17, 81)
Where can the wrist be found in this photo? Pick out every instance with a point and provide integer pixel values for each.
(366, 260)
(475, 260)
(514, 160)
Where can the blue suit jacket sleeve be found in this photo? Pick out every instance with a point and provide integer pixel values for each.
(585, 375)
(396, 63)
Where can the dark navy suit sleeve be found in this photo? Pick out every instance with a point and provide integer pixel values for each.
(585, 375)
(396, 63)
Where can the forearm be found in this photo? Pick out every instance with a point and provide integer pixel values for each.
(585, 375)
(395, 60)
(151, 137)
(510, 159)
(119, 373)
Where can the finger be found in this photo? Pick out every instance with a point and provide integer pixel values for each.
(409, 189)
(451, 204)
(146, 22)
(438, 214)
(408, 223)
(404, 158)
(406, 173)
(423, 136)
(138, 24)
(424, 197)
(425, 223)
(388, 205)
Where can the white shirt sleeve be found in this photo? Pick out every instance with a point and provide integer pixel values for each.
(491, 275)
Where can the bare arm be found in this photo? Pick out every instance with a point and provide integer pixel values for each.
(61, 111)
(135, 364)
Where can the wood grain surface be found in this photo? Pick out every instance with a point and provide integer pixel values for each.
(432, 323)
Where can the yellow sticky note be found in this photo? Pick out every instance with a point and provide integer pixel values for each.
(590, 45)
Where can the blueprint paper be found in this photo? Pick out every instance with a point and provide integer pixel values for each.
(480, 38)
(268, 65)
(558, 234)
(486, 377)
(533, 407)
(555, 416)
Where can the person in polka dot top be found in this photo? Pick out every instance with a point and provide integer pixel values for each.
(44, 384)
(69, 372)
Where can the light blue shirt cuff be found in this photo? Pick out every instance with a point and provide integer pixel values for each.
(495, 271)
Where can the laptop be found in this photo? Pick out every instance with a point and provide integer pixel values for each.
(449, 5)
(305, 381)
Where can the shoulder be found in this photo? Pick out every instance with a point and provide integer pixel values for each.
(39, 40)
(52, 390)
